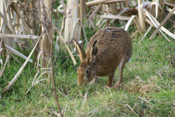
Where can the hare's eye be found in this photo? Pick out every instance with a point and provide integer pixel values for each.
(87, 71)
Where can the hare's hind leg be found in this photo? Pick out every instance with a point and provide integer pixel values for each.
(121, 67)
(110, 79)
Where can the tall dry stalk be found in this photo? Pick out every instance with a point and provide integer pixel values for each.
(141, 15)
(47, 43)
(72, 16)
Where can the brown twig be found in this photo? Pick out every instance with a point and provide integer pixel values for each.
(54, 89)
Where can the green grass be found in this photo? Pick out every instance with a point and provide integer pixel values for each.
(148, 88)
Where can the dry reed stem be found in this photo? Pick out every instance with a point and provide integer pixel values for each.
(168, 4)
(157, 6)
(24, 23)
(91, 113)
(81, 113)
(130, 108)
(2, 16)
(79, 21)
(17, 53)
(169, 10)
(15, 58)
(36, 81)
(9, 19)
(114, 17)
(92, 14)
(64, 6)
(75, 30)
(84, 32)
(61, 37)
(162, 23)
(96, 2)
(129, 22)
(3, 68)
(137, 31)
(145, 34)
(141, 15)
(144, 99)
(20, 36)
(72, 11)
(8, 87)
(4, 20)
(55, 113)
(72, 57)
(155, 24)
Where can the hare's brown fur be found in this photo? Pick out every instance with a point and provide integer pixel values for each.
(108, 48)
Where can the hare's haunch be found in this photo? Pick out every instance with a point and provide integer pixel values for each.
(108, 48)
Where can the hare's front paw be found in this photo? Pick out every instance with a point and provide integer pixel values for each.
(116, 87)
(107, 87)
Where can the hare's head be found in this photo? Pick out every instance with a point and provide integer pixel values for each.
(86, 70)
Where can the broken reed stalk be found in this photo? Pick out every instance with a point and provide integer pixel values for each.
(17, 53)
(129, 22)
(9, 86)
(155, 24)
(162, 28)
(92, 14)
(162, 23)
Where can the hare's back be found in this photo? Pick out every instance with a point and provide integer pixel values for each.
(111, 40)
(113, 44)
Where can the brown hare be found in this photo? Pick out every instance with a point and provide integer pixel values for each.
(108, 48)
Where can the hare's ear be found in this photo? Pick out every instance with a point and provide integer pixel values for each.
(93, 51)
(80, 50)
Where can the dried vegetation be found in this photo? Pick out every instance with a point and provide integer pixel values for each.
(28, 25)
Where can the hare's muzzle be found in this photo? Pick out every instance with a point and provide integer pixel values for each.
(81, 79)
